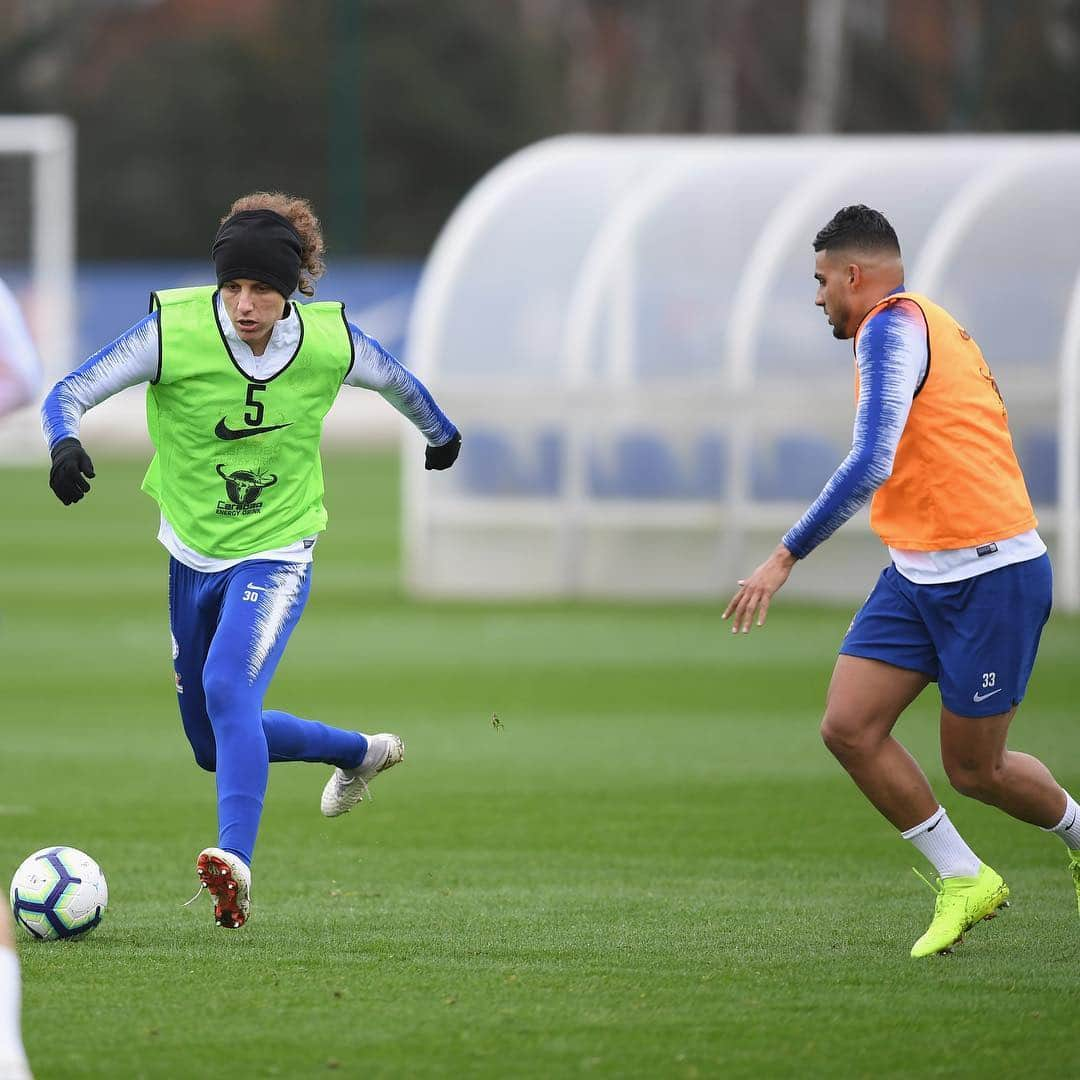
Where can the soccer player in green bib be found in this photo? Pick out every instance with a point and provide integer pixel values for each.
(240, 377)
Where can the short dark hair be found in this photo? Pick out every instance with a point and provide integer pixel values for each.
(859, 227)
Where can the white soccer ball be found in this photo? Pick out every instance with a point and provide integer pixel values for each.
(58, 892)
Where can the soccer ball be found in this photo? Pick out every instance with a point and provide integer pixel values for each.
(58, 892)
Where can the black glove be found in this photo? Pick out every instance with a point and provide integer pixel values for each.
(70, 464)
(442, 457)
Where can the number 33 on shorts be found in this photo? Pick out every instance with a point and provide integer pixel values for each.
(988, 688)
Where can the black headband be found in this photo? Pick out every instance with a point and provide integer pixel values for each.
(261, 245)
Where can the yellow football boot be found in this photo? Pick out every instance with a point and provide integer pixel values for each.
(961, 903)
(1074, 866)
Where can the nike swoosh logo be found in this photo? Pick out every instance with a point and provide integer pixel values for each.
(983, 697)
(255, 588)
(223, 432)
(931, 828)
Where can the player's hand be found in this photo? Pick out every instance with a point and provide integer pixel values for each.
(442, 457)
(71, 466)
(757, 590)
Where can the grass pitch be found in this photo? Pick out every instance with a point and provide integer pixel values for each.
(651, 868)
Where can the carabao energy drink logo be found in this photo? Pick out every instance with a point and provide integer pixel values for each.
(243, 489)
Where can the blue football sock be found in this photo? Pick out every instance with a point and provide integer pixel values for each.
(238, 824)
(292, 739)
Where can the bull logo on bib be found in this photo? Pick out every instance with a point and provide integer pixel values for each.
(243, 488)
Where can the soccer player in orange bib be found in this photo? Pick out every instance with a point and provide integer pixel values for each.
(968, 591)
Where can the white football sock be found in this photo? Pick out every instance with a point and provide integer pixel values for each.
(939, 841)
(1068, 828)
(12, 1056)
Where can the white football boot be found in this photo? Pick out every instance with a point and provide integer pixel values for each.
(228, 880)
(347, 787)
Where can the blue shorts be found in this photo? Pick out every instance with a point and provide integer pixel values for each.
(976, 638)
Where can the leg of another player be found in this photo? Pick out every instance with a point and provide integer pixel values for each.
(865, 699)
(13, 1065)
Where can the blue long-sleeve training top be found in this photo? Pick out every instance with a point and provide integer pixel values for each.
(892, 357)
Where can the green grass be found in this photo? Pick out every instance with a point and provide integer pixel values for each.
(654, 869)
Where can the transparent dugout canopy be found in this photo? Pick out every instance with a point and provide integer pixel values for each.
(625, 327)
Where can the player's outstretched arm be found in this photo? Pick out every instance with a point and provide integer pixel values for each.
(756, 591)
(891, 355)
(131, 359)
(376, 369)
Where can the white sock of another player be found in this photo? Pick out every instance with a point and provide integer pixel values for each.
(1068, 828)
(939, 841)
(12, 1057)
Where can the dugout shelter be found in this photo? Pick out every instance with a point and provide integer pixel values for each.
(624, 329)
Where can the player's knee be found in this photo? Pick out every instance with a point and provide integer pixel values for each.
(974, 778)
(223, 694)
(843, 735)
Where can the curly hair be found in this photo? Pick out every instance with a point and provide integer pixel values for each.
(300, 213)
(858, 227)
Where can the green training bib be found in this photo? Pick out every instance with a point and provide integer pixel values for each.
(237, 467)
